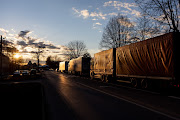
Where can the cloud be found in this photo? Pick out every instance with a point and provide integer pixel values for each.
(31, 40)
(98, 23)
(75, 10)
(127, 8)
(51, 46)
(28, 41)
(108, 3)
(113, 14)
(4, 31)
(124, 8)
(86, 14)
(42, 44)
(102, 16)
(22, 34)
(94, 19)
(27, 44)
(97, 26)
(124, 22)
(118, 4)
(22, 44)
(94, 14)
(125, 11)
(136, 13)
(99, 15)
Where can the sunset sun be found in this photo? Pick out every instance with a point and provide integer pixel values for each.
(16, 56)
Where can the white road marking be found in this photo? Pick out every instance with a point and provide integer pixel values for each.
(136, 89)
(158, 112)
(129, 87)
(122, 86)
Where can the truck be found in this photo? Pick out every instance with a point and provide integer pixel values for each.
(79, 66)
(63, 66)
(103, 64)
(152, 61)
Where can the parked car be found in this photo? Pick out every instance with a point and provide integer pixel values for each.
(41, 70)
(33, 72)
(25, 72)
(16, 73)
(51, 69)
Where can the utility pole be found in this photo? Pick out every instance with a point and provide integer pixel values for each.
(38, 54)
(1, 56)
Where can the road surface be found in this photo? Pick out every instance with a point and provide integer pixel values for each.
(73, 97)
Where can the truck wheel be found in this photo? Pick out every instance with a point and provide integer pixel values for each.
(92, 75)
(106, 78)
(134, 82)
(102, 78)
(144, 84)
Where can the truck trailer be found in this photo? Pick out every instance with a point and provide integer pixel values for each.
(79, 66)
(63, 66)
(150, 61)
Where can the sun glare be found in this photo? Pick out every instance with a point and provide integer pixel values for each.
(16, 56)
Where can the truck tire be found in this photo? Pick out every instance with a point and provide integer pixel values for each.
(92, 75)
(102, 78)
(106, 78)
(134, 82)
(144, 84)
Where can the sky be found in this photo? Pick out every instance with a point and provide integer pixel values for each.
(54, 23)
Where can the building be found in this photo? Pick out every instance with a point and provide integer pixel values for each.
(4, 69)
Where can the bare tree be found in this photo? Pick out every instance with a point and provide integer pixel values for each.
(117, 32)
(148, 28)
(75, 49)
(166, 12)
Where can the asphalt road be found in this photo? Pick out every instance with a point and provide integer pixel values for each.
(73, 97)
(21, 101)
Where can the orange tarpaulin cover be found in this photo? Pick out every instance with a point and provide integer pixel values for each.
(152, 57)
(103, 61)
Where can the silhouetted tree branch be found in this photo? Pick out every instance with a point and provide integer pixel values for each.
(117, 32)
(75, 49)
(166, 12)
(148, 28)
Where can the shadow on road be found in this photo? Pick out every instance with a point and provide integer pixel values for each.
(21, 101)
